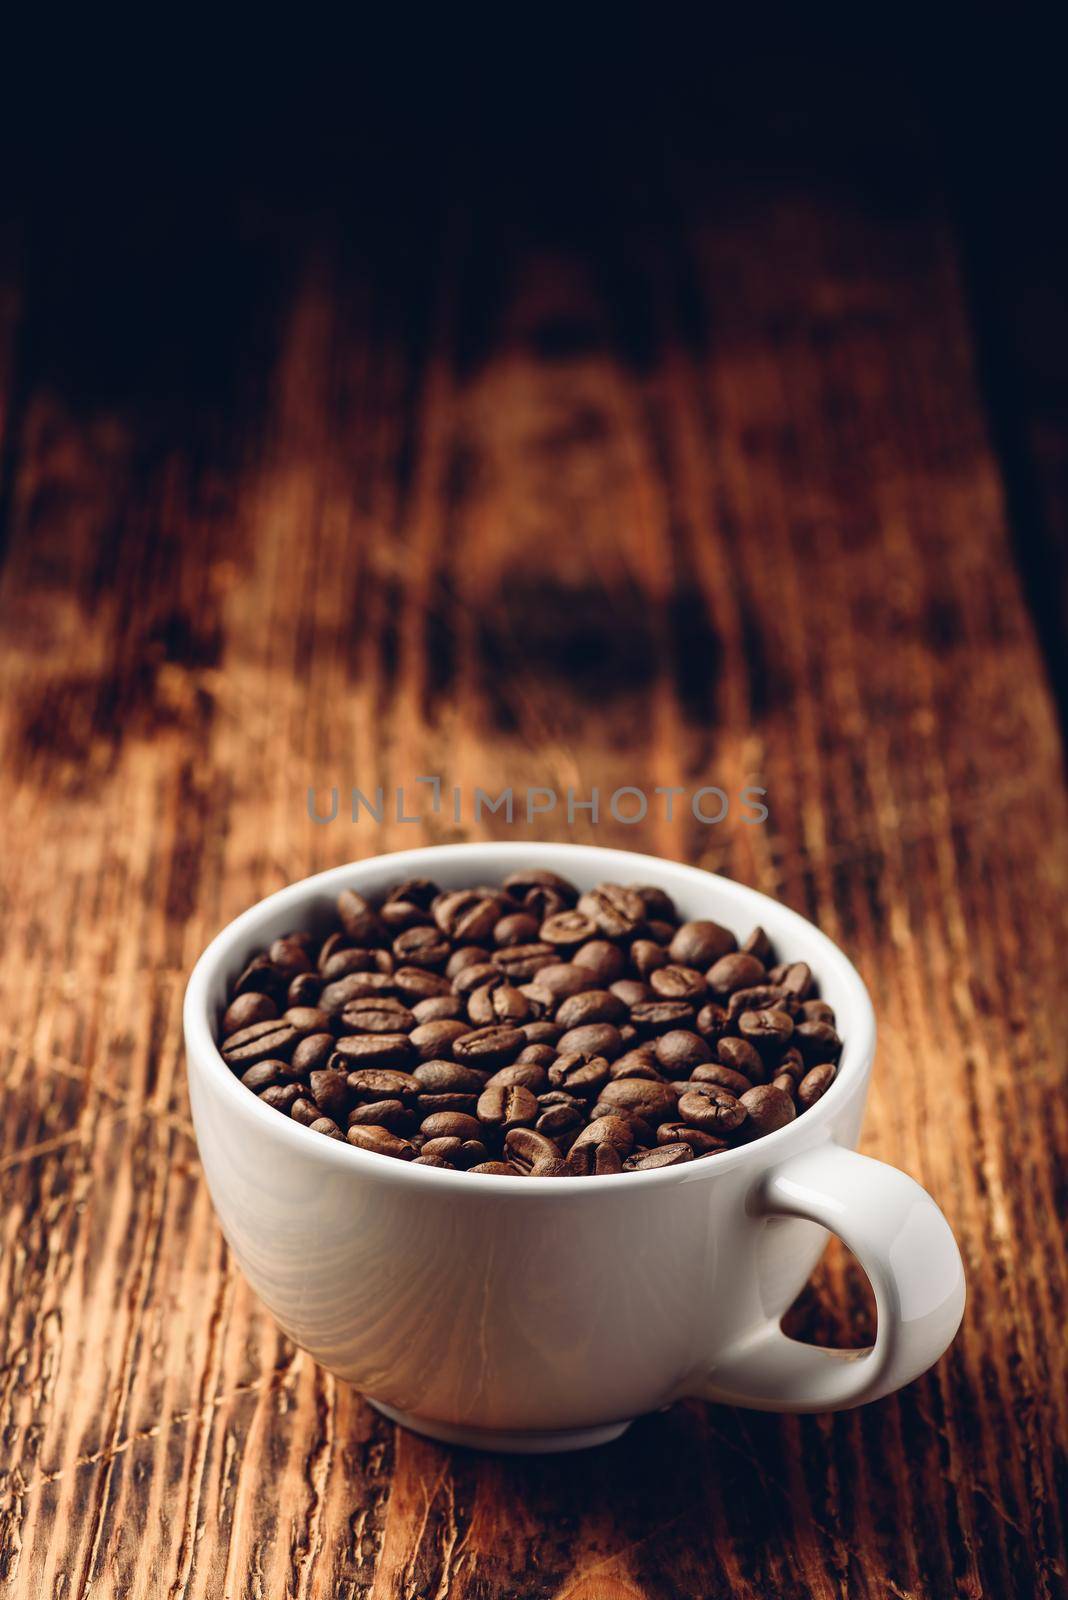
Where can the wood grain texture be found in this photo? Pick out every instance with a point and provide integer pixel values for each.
(712, 502)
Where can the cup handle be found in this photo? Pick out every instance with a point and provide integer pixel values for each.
(905, 1246)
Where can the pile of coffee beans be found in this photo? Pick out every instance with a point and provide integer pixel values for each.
(530, 1030)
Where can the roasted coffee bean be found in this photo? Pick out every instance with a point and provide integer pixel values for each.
(330, 1091)
(646, 956)
(767, 1031)
(380, 1015)
(737, 971)
(382, 1083)
(468, 955)
(712, 1022)
(579, 1074)
(507, 1106)
(561, 978)
(722, 1077)
(305, 1111)
(762, 997)
(604, 961)
(551, 1167)
(559, 1122)
(488, 1047)
(664, 1155)
(617, 911)
(289, 957)
(445, 1150)
(474, 976)
(817, 1041)
(498, 1003)
(391, 1114)
(422, 947)
(538, 1055)
(281, 1096)
(526, 886)
(326, 1126)
(307, 1019)
(632, 991)
(495, 1169)
(427, 1103)
(798, 980)
(380, 1142)
(246, 1010)
(467, 916)
(657, 901)
(374, 1050)
(450, 1125)
(653, 1102)
(330, 946)
(700, 944)
(562, 1097)
(609, 1129)
(304, 990)
(447, 1077)
(700, 1142)
(312, 1051)
(592, 1039)
(518, 927)
(642, 1132)
(413, 984)
(433, 1040)
(540, 1033)
(266, 1073)
(525, 1147)
(439, 1008)
(660, 1016)
(261, 976)
(640, 1062)
(420, 892)
(740, 1056)
(791, 1061)
(566, 930)
(711, 1109)
(401, 916)
(521, 962)
(361, 923)
(355, 986)
(814, 1084)
(592, 1005)
(758, 944)
(602, 1159)
(262, 1041)
(493, 1029)
(679, 1051)
(542, 1001)
(769, 1108)
(520, 1074)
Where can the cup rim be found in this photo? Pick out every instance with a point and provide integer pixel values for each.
(202, 1051)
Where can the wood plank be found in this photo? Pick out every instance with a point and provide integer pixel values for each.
(520, 506)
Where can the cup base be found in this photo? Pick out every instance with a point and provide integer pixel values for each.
(530, 1442)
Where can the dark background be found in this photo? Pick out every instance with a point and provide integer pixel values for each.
(159, 189)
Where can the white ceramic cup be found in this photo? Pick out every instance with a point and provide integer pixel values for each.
(519, 1314)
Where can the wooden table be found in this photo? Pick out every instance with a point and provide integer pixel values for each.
(699, 491)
